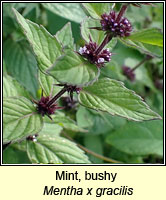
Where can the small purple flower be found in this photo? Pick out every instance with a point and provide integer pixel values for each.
(110, 24)
(89, 52)
(127, 71)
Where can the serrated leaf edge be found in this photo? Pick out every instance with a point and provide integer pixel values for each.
(134, 93)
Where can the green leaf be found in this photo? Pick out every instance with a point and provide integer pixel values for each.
(70, 11)
(97, 122)
(20, 145)
(20, 119)
(152, 50)
(124, 157)
(111, 96)
(14, 156)
(8, 88)
(97, 36)
(66, 123)
(151, 36)
(8, 25)
(113, 69)
(97, 9)
(21, 90)
(30, 7)
(65, 36)
(95, 144)
(21, 64)
(47, 84)
(50, 127)
(139, 138)
(12, 88)
(103, 122)
(56, 150)
(45, 46)
(7, 8)
(71, 68)
(84, 117)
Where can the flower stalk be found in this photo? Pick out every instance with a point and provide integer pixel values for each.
(148, 57)
(106, 40)
(129, 73)
(121, 12)
(57, 96)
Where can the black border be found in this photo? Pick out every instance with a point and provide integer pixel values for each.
(164, 157)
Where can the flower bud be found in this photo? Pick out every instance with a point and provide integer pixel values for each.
(127, 71)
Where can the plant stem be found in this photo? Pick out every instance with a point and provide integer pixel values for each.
(98, 155)
(122, 12)
(57, 96)
(91, 152)
(105, 42)
(139, 64)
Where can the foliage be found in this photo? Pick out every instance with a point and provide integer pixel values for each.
(105, 117)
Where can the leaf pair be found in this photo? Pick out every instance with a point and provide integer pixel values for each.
(21, 120)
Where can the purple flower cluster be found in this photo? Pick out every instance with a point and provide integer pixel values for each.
(43, 108)
(127, 71)
(110, 24)
(67, 103)
(89, 52)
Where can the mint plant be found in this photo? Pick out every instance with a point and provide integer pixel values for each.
(42, 123)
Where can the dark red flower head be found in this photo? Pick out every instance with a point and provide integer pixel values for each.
(127, 71)
(44, 109)
(89, 52)
(110, 24)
